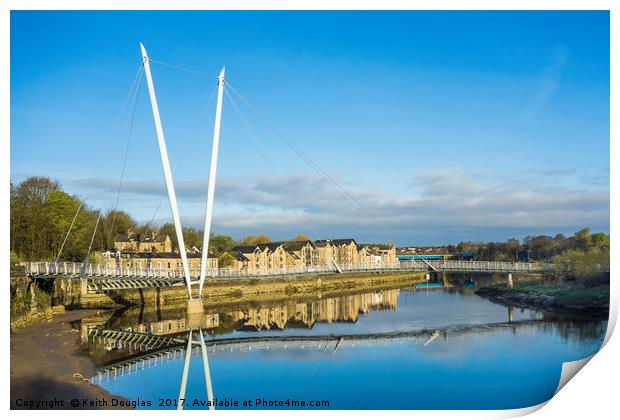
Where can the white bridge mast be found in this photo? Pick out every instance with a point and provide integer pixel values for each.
(165, 163)
(170, 184)
(211, 187)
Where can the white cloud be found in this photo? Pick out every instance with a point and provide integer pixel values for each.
(439, 200)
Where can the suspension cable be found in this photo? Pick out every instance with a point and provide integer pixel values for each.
(92, 239)
(354, 203)
(268, 163)
(182, 68)
(131, 90)
(339, 189)
(108, 137)
(120, 184)
(68, 232)
(333, 183)
(178, 165)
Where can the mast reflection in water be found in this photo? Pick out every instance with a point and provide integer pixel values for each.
(393, 349)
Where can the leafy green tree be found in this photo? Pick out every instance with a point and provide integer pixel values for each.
(113, 223)
(67, 218)
(30, 235)
(582, 239)
(584, 266)
(600, 240)
(191, 237)
(219, 244)
(41, 215)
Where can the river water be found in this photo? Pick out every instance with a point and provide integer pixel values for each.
(412, 348)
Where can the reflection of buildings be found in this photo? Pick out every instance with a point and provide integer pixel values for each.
(304, 315)
(172, 326)
(290, 314)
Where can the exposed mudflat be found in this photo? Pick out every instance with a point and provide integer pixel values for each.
(44, 358)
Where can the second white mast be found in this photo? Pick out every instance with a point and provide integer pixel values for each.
(211, 187)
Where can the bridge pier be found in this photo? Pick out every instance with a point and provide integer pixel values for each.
(511, 314)
(195, 308)
(509, 283)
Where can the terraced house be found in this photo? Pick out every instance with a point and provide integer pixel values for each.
(342, 252)
(274, 255)
(373, 255)
(333, 253)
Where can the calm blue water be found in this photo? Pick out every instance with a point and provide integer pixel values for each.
(476, 360)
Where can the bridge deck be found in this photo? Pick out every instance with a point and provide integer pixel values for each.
(107, 277)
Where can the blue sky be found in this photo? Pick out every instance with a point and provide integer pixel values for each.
(443, 126)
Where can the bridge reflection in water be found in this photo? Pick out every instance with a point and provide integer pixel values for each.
(183, 349)
(329, 331)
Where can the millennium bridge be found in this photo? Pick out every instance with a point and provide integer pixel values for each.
(100, 278)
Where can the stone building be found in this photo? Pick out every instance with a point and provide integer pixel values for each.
(274, 255)
(149, 242)
(249, 257)
(301, 253)
(373, 255)
(156, 260)
(343, 252)
(255, 259)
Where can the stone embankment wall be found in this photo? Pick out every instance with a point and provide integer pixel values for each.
(33, 301)
(237, 291)
(29, 302)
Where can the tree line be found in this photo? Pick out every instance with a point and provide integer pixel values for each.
(42, 213)
(582, 257)
(542, 248)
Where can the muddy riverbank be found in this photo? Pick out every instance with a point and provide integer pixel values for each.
(49, 371)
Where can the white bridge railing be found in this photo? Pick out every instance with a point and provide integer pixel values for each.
(482, 266)
(70, 269)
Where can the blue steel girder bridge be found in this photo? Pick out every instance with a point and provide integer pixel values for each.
(101, 278)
